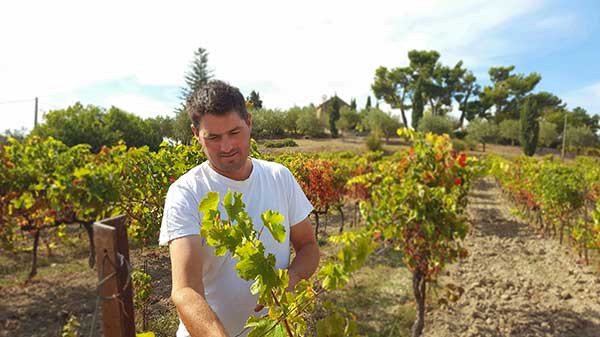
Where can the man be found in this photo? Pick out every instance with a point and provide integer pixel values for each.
(211, 299)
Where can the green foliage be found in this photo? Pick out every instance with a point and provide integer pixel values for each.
(17, 134)
(290, 120)
(142, 286)
(417, 204)
(530, 126)
(417, 106)
(349, 119)
(547, 134)
(353, 104)
(459, 145)
(254, 100)
(436, 124)
(373, 141)
(77, 124)
(309, 124)
(368, 104)
(94, 126)
(267, 123)
(509, 129)
(288, 142)
(507, 91)
(334, 115)
(198, 74)
(385, 123)
(482, 131)
(578, 137)
(238, 236)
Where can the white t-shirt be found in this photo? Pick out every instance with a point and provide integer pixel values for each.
(269, 186)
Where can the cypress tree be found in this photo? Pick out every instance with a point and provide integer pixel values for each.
(334, 115)
(417, 108)
(530, 126)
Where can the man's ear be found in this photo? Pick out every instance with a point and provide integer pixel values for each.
(194, 131)
(249, 121)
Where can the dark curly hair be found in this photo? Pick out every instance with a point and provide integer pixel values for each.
(215, 98)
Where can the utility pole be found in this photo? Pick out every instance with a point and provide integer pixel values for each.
(35, 121)
(562, 154)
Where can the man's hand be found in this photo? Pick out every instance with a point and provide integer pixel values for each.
(293, 280)
(307, 255)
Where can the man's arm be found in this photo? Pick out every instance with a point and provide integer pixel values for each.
(307, 256)
(188, 290)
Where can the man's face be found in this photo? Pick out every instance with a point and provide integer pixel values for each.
(226, 142)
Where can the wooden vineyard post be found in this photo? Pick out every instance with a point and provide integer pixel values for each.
(114, 281)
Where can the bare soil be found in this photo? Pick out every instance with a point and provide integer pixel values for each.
(516, 283)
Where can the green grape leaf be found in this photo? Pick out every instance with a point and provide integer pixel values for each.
(264, 327)
(235, 206)
(209, 203)
(274, 222)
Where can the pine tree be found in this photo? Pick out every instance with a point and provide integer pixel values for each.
(530, 126)
(197, 76)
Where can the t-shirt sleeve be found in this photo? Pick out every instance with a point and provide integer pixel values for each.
(299, 205)
(180, 216)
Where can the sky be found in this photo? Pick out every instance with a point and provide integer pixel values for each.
(134, 54)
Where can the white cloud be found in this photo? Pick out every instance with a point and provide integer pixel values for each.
(587, 97)
(292, 53)
(143, 106)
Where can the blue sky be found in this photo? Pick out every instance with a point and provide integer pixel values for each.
(134, 54)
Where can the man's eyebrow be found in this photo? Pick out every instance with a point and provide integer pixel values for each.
(209, 134)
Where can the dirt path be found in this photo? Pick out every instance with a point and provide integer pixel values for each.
(516, 283)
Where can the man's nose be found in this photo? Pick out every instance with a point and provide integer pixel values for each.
(226, 145)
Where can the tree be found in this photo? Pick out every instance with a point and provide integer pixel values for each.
(466, 88)
(309, 124)
(255, 100)
(368, 105)
(349, 119)
(334, 115)
(580, 136)
(382, 122)
(548, 134)
(482, 130)
(268, 123)
(394, 87)
(353, 104)
(417, 107)
(290, 120)
(436, 124)
(197, 76)
(507, 91)
(509, 130)
(77, 124)
(530, 126)
(19, 134)
(423, 81)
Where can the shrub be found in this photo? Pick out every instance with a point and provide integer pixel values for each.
(459, 145)
(436, 124)
(280, 143)
(374, 141)
(482, 131)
